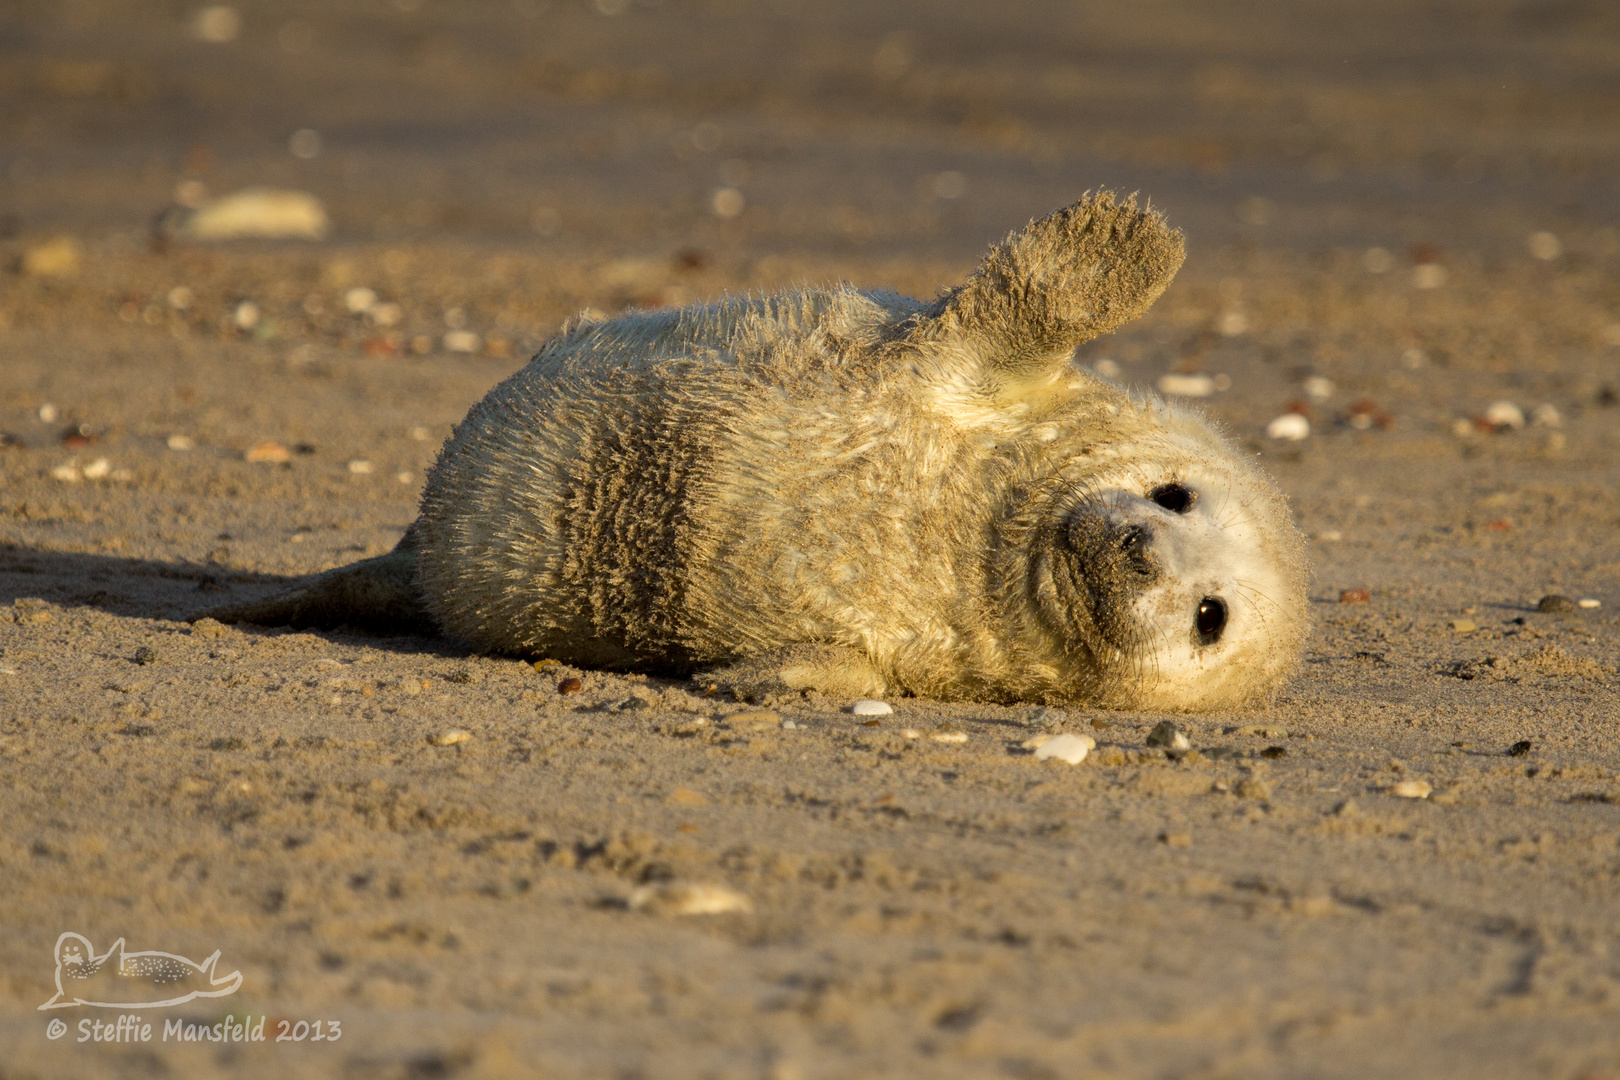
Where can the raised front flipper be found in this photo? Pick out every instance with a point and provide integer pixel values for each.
(833, 670)
(377, 594)
(1058, 282)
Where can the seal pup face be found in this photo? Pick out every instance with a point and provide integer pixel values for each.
(1180, 587)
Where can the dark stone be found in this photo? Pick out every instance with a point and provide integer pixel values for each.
(1163, 734)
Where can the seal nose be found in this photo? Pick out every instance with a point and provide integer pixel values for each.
(1135, 542)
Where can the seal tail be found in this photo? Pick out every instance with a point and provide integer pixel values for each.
(377, 594)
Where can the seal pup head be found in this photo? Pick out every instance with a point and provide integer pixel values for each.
(1147, 563)
(1173, 578)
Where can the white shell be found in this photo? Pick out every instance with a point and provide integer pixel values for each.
(1070, 748)
(1186, 385)
(1504, 414)
(1291, 426)
(868, 707)
(1411, 789)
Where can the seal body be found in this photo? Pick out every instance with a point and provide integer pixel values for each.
(860, 493)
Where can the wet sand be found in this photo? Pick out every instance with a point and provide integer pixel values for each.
(1268, 907)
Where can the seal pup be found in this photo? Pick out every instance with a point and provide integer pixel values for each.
(858, 493)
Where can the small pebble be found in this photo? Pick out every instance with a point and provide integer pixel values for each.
(1265, 731)
(1588, 603)
(1411, 789)
(868, 707)
(910, 733)
(1429, 275)
(1319, 388)
(1175, 839)
(1291, 427)
(1166, 734)
(360, 300)
(462, 341)
(146, 655)
(570, 686)
(1274, 752)
(182, 443)
(268, 452)
(54, 258)
(1252, 787)
(450, 737)
(542, 665)
(360, 467)
(1069, 748)
(753, 720)
(1556, 604)
(255, 213)
(1504, 416)
(1180, 385)
(1520, 748)
(1463, 626)
(949, 733)
(1355, 596)
(680, 898)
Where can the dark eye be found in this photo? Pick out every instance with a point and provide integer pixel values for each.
(1210, 621)
(1175, 498)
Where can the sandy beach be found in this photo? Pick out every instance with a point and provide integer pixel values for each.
(1401, 225)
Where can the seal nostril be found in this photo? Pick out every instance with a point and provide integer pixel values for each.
(1136, 543)
(1176, 498)
(1210, 622)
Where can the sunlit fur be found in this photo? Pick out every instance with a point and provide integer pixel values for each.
(860, 493)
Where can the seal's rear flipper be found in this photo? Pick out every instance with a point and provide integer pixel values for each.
(377, 594)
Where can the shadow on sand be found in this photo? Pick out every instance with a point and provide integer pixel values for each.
(177, 591)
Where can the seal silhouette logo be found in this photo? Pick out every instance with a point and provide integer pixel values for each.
(132, 980)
